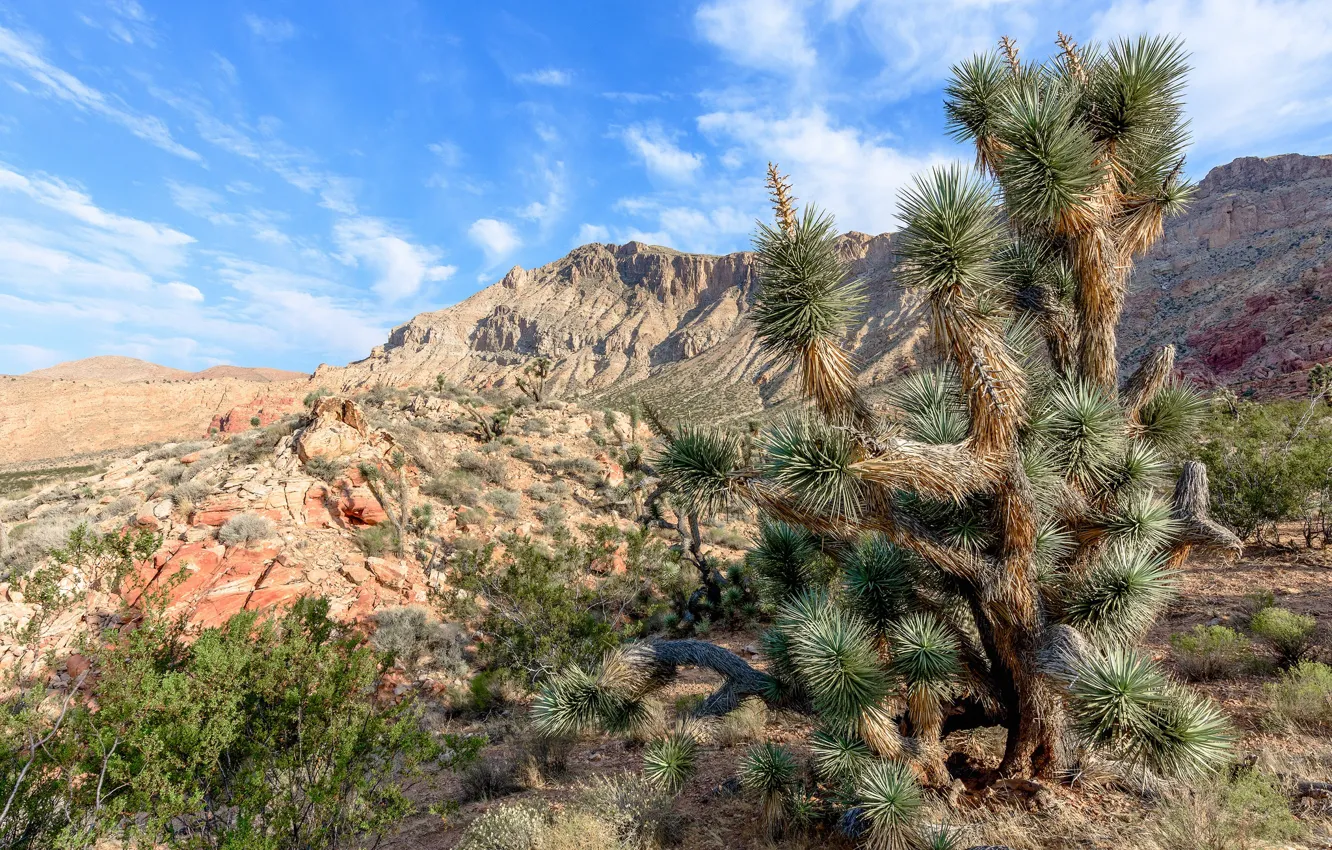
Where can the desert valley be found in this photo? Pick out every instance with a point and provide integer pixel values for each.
(1008, 528)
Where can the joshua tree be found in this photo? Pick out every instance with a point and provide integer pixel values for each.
(1001, 530)
(538, 370)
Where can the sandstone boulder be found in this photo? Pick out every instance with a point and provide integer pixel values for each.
(338, 428)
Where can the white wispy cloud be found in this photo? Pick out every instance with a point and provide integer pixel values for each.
(844, 170)
(270, 29)
(659, 153)
(25, 358)
(767, 34)
(26, 55)
(1262, 69)
(496, 239)
(546, 77)
(155, 246)
(182, 291)
(400, 266)
(591, 233)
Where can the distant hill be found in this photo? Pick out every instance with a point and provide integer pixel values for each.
(132, 369)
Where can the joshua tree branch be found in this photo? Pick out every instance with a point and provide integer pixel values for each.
(1189, 507)
(1150, 378)
(742, 680)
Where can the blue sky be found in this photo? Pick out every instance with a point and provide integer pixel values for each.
(279, 183)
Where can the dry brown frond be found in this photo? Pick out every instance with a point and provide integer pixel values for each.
(827, 376)
(948, 471)
(1099, 300)
(783, 202)
(878, 727)
(994, 383)
(1009, 48)
(1149, 379)
(1141, 225)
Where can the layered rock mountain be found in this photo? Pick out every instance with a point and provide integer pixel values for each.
(670, 325)
(1240, 284)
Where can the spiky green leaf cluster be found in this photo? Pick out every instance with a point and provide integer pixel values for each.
(669, 762)
(698, 465)
(1118, 599)
(1124, 704)
(807, 295)
(892, 801)
(812, 460)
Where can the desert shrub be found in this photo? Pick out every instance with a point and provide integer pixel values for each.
(244, 529)
(552, 516)
(175, 472)
(1239, 813)
(521, 453)
(491, 777)
(641, 813)
(30, 542)
(119, 507)
(538, 425)
(743, 725)
(1302, 697)
(473, 516)
(583, 469)
(492, 469)
(175, 450)
(325, 469)
(540, 491)
(1211, 652)
(458, 487)
(1290, 634)
(506, 502)
(544, 757)
(312, 397)
(416, 641)
(725, 535)
(251, 448)
(519, 827)
(1267, 463)
(190, 492)
(375, 540)
(540, 615)
(208, 734)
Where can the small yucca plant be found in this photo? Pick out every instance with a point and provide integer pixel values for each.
(769, 771)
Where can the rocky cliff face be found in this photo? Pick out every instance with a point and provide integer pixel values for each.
(613, 316)
(1241, 284)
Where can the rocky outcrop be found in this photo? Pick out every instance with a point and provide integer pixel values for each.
(256, 413)
(1242, 283)
(613, 317)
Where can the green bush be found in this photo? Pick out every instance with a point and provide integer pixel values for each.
(412, 638)
(1211, 652)
(473, 516)
(312, 397)
(323, 468)
(1267, 463)
(458, 487)
(506, 502)
(375, 540)
(1242, 813)
(491, 468)
(210, 734)
(1290, 634)
(543, 613)
(1302, 697)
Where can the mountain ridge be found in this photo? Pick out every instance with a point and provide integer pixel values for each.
(1230, 285)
